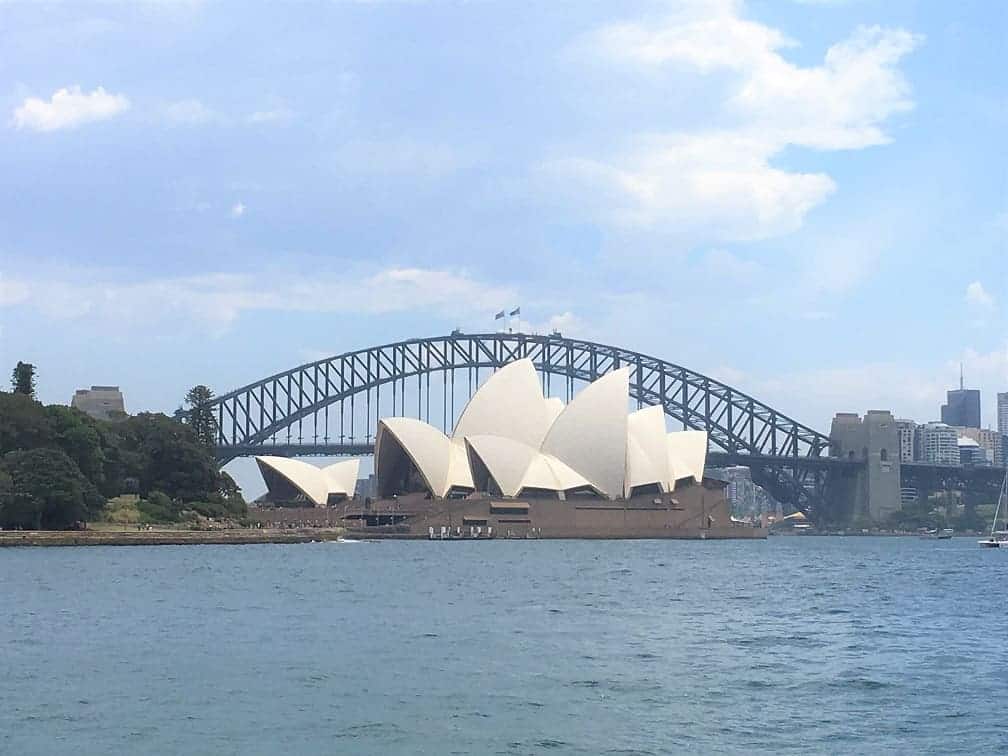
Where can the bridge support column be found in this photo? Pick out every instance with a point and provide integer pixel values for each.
(873, 492)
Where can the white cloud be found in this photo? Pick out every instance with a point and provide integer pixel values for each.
(716, 185)
(840, 104)
(218, 300)
(68, 108)
(237, 210)
(567, 323)
(189, 113)
(721, 183)
(275, 115)
(978, 297)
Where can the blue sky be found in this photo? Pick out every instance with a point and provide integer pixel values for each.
(807, 200)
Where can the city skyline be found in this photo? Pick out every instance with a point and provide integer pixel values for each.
(182, 212)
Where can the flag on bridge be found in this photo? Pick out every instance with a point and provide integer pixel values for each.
(499, 315)
(515, 311)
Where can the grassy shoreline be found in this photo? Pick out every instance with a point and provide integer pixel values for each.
(167, 537)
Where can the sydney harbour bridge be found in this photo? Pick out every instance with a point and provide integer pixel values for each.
(331, 407)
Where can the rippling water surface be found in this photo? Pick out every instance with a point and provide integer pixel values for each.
(797, 645)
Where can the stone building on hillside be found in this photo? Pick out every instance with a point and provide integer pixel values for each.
(100, 402)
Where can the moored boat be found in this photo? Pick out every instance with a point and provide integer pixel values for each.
(998, 539)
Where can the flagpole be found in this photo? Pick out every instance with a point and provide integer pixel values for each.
(512, 313)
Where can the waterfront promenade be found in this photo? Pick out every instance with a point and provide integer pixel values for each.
(122, 537)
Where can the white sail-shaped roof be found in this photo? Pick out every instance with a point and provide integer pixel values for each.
(342, 476)
(528, 442)
(440, 462)
(647, 456)
(459, 471)
(314, 482)
(590, 434)
(687, 454)
(506, 460)
(554, 407)
(548, 473)
(509, 404)
(515, 466)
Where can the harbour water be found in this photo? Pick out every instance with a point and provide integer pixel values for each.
(792, 645)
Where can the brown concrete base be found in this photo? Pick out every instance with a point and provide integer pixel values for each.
(712, 534)
(696, 511)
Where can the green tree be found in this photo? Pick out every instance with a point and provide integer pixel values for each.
(85, 442)
(144, 453)
(164, 455)
(201, 416)
(44, 489)
(232, 495)
(23, 423)
(23, 379)
(6, 486)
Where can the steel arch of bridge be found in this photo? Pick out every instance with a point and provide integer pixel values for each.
(737, 424)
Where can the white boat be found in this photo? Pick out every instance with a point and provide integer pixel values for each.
(998, 538)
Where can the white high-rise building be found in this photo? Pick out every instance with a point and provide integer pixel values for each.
(938, 443)
(1002, 424)
(907, 430)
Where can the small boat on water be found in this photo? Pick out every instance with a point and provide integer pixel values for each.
(998, 538)
(941, 535)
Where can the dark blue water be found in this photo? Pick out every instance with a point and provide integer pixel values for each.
(794, 645)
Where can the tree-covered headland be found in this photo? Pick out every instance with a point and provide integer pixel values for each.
(59, 466)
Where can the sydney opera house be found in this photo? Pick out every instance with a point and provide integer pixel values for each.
(519, 464)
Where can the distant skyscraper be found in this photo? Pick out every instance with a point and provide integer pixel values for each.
(962, 406)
